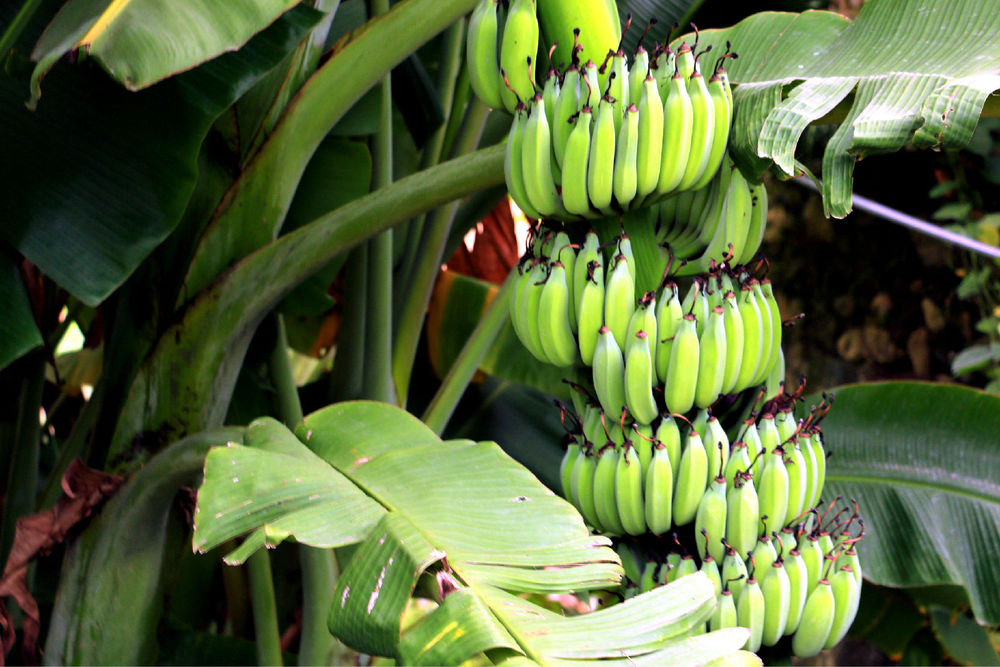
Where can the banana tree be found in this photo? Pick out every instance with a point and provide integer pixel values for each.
(198, 187)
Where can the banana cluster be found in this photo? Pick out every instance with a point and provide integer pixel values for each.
(666, 351)
(575, 152)
(803, 583)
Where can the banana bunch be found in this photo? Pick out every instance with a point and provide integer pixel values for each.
(722, 222)
(598, 140)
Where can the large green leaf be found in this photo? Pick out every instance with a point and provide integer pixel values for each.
(18, 332)
(89, 190)
(140, 42)
(917, 69)
(110, 595)
(473, 520)
(923, 463)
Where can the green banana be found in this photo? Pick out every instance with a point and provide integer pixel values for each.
(582, 487)
(717, 448)
(659, 488)
(773, 491)
(738, 462)
(513, 173)
(554, 326)
(798, 587)
(590, 311)
(711, 360)
(682, 371)
(812, 556)
(626, 151)
(734, 571)
(617, 83)
(604, 490)
(609, 373)
(725, 615)
(733, 324)
(696, 301)
(649, 150)
(566, 469)
(690, 485)
(758, 220)
(596, 22)
(517, 48)
(750, 612)
(619, 299)
(565, 252)
(643, 319)
(637, 73)
(816, 622)
(590, 78)
(669, 315)
(722, 106)
(710, 519)
(574, 166)
(777, 591)
(678, 121)
(846, 595)
(536, 161)
(669, 436)
(742, 514)
(481, 44)
(601, 160)
(628, 491)
(528, 302)
(764, 554)
(798, 479)
(767, 292)
(639, 380)
(702, 130)
(753, 336)
(567, 108)
(767, 329)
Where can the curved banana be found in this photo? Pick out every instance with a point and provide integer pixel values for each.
(481, 45)
(518, 46)
(609, 373)
(742, 514)
(750, 611)
(816, 623)
(710, 519)
(798, 588)
(536, 161)
(582, 487)
(758, 220)
(733, 324)
(690, 480)
(566, 470)
(669, 315)
(798, 479)
(738, 462)
(777, 591)
(678, 120)
(596, 21)
(639, 380)
(682, 371)
(711, 360)
(725, 615)
(649, 150)
(564, 252)
(669, 436)
(812, 556)
(623, 180)
(753, 336)
(513, 172)
(767, 293)
(628, 491)
(589, 79)
(604, 490)
(637, 73)
(617, 87)
(734, 571)
(619, 299)
(643, 319)
(574, 166)
(717, 447)
(846, 595)
(659, 489)
(528, 302)
(722, 106)
(590, 311)
(767, 328)
(702, 130)
(554, 326)
(773, 491)
(600, 162)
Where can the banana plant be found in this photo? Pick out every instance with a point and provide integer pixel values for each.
(186, 183)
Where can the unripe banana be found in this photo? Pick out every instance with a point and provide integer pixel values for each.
(643, 319)
(637, 73)
(624, 246)
(628, 491)
(609, 374)
(767, 329)
(639, 380)
(798, 589)
(758, 220)
(617, 85)
(710, 519)
(590, 86)
(751, 436)
(519, 46)
(750, 612)
(643, 443)
(600, 162)
(550, 94)
(696, 301)
(650, 147)
(596, 20)
(663, 69)
(604, 490)
(773, 491)
(816, 623)
(742, 515)
(700, 424)
(798, 479)
(753, 336)
(738, 461)
(626, 152)
(567, 107)
(717, 447)
(777, 591)
(481, 48)
(702, 130)
(619, 299)
(734, 571)
(678, 120)
(669, 316)
(764, 554)
(682, 372)
(659, 488)
(648, 581)
(574, 166)
(685, 60)
(718, 90)
(690, 480)
(554, 326)
(536, 161)
(565, 252)
(589, 252)
(513, 172)
(846, 595)
(725, 615)
(669, 573)
(684, 568)
(528, 303)
(819, 454)
(669, 436)
(582, 488)
(566, 469)
(711, 360)
(775, 382)
(710, 569)
(812, 556)
(767, 291)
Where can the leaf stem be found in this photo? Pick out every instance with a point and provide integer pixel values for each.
(265, 611)
(443, 404)
(431, 251)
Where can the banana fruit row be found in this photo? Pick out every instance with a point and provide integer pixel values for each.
(666, 351)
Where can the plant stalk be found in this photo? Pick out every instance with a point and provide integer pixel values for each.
(443, 404)
(431, 250)
(265, 611)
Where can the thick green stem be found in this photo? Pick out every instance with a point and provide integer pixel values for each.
(451, 65)
(443, 404)
(348, 363)
(378, 338)
(431, 252)
(22, 475)
(265, 610)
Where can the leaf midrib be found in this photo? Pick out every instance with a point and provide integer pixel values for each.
(920, 484)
